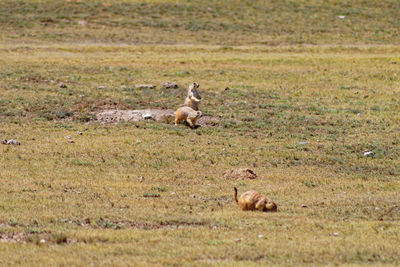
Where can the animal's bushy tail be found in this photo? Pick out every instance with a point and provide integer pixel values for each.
(236, 195)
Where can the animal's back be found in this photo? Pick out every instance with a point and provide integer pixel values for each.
(183, 111)
(248, 200)
(181, 114)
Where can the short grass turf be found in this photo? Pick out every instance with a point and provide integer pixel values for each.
(300, 113)
(300, 117)
(229, 22)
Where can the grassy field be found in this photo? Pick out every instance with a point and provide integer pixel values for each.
(305, 100)
(229, 22)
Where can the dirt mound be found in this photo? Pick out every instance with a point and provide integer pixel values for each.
(117, 116)
(158, 115)
(239, 174)
(208, 121)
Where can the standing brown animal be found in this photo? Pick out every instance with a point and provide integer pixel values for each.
(193, 98)
(187, 114)
(251, 200)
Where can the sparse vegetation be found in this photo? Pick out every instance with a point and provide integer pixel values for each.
(301, 99)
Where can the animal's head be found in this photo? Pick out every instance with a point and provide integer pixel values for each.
(270, 205)
(193, 93)
(195, 114)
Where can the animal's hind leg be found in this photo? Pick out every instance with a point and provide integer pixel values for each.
(190, 123)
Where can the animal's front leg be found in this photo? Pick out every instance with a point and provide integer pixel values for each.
(190, 123)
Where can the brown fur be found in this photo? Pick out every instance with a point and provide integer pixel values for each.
(193, 98)
(187, 114)
(251, 200)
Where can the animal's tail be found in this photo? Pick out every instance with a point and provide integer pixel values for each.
(236, 195)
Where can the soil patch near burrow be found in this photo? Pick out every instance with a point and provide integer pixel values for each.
(239, 174)
(159, 115)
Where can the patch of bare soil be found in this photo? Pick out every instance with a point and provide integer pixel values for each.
(13, 238)
(208, 121)
(239, 174)
(117, 116)
(159, 115)
(173, 224)
(36, 238)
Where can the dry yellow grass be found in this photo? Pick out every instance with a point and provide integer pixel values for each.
(300, 113)
(86, 201)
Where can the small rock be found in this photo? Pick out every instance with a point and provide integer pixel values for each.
(80, 133)
(13, 142)
(359, 114)
(302, 143)
(238, 240)
(303, 205)
(335, 234)
(260, 236)
(82, 22)
(71, 141)
(341, 17)
(145, 86)
(63, 85)
(42, 241)
(101, 87)
(68, 137)
(227, 89)
(169, 85)
(141, 179)
(4, 141)
(368, 153)
(146, 116)
(377, 208)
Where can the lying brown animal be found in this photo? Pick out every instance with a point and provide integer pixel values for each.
(251, 200)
